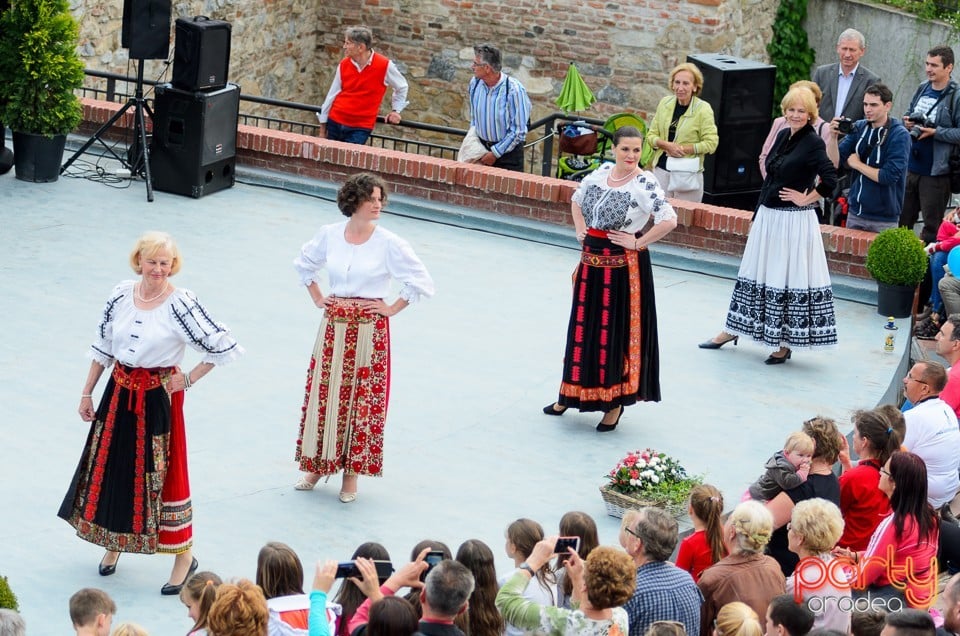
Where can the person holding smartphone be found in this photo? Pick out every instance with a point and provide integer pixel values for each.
(522, 537)
(601, 584)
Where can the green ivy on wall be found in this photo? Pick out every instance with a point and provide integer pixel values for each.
(788, 49)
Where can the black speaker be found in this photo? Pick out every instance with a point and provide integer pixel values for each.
(146, 29)
(741, 94)
(201, 55)
(194, 140)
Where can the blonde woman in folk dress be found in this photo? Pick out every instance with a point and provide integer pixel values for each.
(612, 357)
(348, 381)
(131, 490)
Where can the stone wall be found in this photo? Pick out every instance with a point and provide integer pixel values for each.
(897, 42)
(287, 49)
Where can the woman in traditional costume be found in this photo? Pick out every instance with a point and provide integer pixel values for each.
(348, 380)
(612, 356)
(783, 298)
(131, 490)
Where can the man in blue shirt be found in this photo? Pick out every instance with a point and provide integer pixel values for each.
(876, 152)
(934, 124)
(499, 110)
(664, 592)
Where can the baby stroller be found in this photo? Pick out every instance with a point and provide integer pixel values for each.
(584, 147)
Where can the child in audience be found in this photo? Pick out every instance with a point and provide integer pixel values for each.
(280, 576)
(198, 595)
(785, 470)
(574, 524)
(522, 536)
(483, 617)
(704, 547)
(91, 611)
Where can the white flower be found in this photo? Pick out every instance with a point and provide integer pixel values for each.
(655, 479)
(654, 460)
(634, 482)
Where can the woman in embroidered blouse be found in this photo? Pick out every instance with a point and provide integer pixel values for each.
(612, 357)
(682, 127)
(782, 297)
(131, 491)
(348, 380)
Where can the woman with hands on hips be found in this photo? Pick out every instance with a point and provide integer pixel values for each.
(601, 584)
(783, 297)
(348, 380)
(612, 355)
(131, 490)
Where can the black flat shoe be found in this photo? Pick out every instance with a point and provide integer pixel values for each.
(170, 590)
(107, 570)
(778, 359)
(606, 428)
(550, 410)
(710, 344)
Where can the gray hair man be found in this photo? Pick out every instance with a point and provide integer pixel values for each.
(844, 81)
(664, 592)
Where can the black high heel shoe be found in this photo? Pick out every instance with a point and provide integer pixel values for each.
(550, 410)
(710, 344)
(107, 570)
(170, 590)
(606, 428)
(778, 359)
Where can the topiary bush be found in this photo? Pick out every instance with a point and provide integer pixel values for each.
(8, 600)
(40, 68)
(897, 257)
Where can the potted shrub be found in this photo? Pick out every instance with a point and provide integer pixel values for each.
(897, 261)
(40, 70)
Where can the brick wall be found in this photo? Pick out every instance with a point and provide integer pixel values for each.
(700, 226)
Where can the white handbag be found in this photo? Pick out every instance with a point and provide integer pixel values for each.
(684, 173)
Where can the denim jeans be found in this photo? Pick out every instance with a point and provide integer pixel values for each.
(937, 261)
(339, 132)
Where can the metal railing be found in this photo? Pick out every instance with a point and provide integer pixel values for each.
(538, 152)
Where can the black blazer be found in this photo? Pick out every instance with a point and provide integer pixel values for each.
(796, 162)
(827, 77)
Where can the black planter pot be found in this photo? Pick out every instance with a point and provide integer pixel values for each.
(895, 300)
(37, 158)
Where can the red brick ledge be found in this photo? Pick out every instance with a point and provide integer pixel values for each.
(700, 226)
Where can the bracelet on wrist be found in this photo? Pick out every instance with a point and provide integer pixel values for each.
(186, 381)
(86, 395)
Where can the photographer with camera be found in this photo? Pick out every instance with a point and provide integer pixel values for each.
(876, 151)
(933, 120)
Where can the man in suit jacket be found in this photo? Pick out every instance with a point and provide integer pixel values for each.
(843, 83)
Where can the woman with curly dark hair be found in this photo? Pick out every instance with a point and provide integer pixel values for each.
(900, 560)
(483, 617)
(348, 380)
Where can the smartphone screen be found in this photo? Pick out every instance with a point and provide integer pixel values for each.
(433, 558)
(566, 542)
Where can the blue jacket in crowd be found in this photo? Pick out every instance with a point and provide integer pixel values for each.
(888, 149)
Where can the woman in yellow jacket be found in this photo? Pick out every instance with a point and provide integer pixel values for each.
(682, 132)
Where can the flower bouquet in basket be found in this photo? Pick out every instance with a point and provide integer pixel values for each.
(647, 478)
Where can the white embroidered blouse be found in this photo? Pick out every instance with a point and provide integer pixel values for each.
(364, 271)
(158, 337)
(626, 207)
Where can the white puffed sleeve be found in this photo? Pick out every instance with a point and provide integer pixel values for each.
(211, 338)
(404, 265)
(101, 351)
(313, 257)
(646, 189)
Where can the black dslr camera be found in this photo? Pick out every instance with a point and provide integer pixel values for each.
(844, 126)
(920, 121)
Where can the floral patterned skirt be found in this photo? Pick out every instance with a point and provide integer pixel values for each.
(131, 489)
(346, 395)
(612, 357)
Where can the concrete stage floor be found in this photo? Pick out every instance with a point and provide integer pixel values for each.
(467, 450)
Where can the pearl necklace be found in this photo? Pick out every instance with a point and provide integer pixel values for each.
(621, 179)
(139, 295)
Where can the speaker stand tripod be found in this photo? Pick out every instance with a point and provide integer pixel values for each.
(138, 154)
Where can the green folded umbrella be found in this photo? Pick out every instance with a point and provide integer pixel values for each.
(575, 95)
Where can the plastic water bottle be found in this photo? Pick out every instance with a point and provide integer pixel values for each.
(890, 335)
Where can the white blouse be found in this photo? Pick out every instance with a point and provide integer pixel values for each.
(158, 337)
(364, 271)
(626, 207)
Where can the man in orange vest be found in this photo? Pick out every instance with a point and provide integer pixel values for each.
(349, 112)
